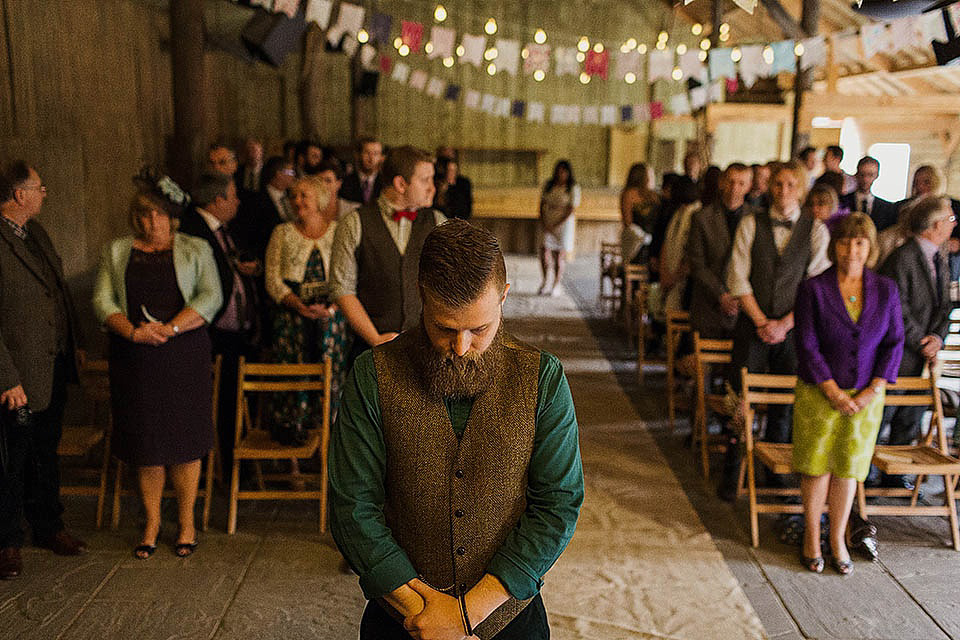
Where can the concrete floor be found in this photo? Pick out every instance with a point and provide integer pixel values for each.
(278, 578)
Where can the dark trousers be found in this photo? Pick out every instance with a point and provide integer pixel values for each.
(230, 345)
(31, 483)
(758, 357)
(531, 624)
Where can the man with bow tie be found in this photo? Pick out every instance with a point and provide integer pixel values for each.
(376, 250)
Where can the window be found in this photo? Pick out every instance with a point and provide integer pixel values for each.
(894, 169)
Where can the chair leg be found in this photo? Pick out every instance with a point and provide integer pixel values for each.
(259, 471)
(752, 490)
(117, 488)
(234, 491)
(916, 490)
(952, 508)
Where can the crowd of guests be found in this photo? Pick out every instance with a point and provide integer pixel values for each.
(811, 275)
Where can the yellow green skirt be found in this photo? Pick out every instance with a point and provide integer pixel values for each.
(826, 441)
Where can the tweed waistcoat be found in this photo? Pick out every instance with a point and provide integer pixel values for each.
(774, 276)
(450, 503)
(386, 280)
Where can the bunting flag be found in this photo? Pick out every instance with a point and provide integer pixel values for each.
(931, 27)
(557, 114)
(502, 108)
(508, 55)
(721, 64)
(380, 26)
(473, 48)
(319, 11)
(289, 7)
(418, 79)
(518, 108)
(597, 64)
(814, 52)
(733, 85)
(874, 39)
(349, 23)
(386, 63)
(954, 12)
(368, 56)
(565, 62)
(411, 34)
(680, 104)
(472, 99)
(453, 92)
(608, 114)
(752, 65)
(846, 47)
(591, 115)
(698, 98)
(538, 58)
(535, 112)
(401, 72)
(903, 34)
(716, 91)
(442, 39)
(628, 62)
(784, 58)
(692, 66)
(435, 87)
(660, 65)
(488, 102)
(641, 112)
(626, 113)
(656, 110)
(573, 114)
(746, 5)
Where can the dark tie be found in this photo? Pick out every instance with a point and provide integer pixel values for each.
(786, 224)
(409, 214)
(367, 189)
(864, 206)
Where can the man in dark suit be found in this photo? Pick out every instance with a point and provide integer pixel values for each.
(920, 270)
(363, 186)
(234, 330)
(38, 340)
(261, 211)
(882, 212)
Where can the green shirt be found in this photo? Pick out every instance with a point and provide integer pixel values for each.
(358, 470)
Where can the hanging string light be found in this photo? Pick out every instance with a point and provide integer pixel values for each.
(491, 27)
(539, 75)
(584, 78)
(363, 36)
(583, 45)
(440, 13)
(540, 36)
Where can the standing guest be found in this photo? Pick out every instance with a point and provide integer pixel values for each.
(693, 166)
(234, 328)
(638, 202)
(713, 310)
(849, 333)
(823, 204)
(250, 170)
(927, 180)
(559, 199)
(221, 159)
(261, 211)
(919, 268)
(662, 215)
(155, 293)
(510, 464)
(308, 157)
(759, 196)
(38, 356)
(674, 266)
(882, 212)
(454, 195)
(710, 185)
(376, 251)
(330, 173)
(832, 157)
(808, 159)
(773, 252)
(306, 325)
(364, 185)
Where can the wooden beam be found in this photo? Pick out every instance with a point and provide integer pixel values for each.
(189, 94)
(838, 105)
(787, 23)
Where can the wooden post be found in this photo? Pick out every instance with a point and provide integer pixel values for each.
(189, 95)
(810, 24)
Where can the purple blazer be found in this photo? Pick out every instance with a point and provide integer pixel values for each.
(831, 345)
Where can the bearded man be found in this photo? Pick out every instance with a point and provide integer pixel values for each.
(455, 468)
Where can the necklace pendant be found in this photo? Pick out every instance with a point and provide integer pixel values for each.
(852, 298)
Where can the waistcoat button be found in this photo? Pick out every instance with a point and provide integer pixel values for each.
(461, 551)
(458, 513)
(458, 473)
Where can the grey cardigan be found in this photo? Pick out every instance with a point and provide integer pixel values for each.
(192, 261)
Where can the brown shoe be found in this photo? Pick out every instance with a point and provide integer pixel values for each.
(11, 564)
(64, 544)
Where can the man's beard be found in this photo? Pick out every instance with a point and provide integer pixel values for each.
(449, 376)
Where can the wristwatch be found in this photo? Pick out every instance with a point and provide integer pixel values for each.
(877, 388)
(176, 328)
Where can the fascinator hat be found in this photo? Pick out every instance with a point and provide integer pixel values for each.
(153, 181)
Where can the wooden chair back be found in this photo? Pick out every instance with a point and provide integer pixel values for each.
(678, 323)
(707, 352)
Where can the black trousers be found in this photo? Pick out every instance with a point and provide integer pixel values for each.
(759, 357)
(31, 483)
(230, 345)
(531, 624)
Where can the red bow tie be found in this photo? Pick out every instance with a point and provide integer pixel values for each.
(409, 214)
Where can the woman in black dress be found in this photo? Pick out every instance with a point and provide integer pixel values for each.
(155, 292)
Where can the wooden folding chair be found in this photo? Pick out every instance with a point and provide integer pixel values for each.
(610, 266)
(251, 442)
(78, 440)
(635, 277)
(929, 457)
(212, 463)
(678, 323)
(707, 352)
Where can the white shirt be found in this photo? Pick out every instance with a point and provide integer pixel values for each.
(287, 254)
(738, 274)
(212, 221)
(279, 198)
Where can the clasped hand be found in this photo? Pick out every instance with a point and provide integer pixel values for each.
(440, 617)
(773, 331)
(317, 311)
(152, 333)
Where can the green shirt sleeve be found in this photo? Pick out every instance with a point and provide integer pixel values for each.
(357, 461)
(554, 489)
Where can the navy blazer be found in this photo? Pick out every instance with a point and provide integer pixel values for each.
(831, 345)
(882, 212)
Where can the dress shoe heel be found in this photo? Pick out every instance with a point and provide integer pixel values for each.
(843, 568)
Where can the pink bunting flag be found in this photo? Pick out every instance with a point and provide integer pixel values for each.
(411, 33)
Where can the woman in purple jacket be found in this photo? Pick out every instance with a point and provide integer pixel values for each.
(849, 338)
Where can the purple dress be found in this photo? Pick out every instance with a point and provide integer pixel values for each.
(161, 396)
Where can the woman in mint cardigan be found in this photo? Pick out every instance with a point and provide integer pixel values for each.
(155, 293)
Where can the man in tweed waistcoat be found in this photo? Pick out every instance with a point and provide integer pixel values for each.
(455, 463)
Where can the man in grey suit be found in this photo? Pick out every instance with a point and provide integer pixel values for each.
(882, 212)
(38, 332)
(920, 270)
(713, 311)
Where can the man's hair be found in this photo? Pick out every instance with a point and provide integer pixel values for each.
(364, 141)
(209, 187)
(823, 190)
(331, 164)
(868, 160)
(799, 173)
(806, 151)
(922, 212)
(736, 166)
(272, 167)
(934, 174)
(220, 145)
(11, 177)
(458, 262)
(403, 161)
(836, 151)
(304, 145)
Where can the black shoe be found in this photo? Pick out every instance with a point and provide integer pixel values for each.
(863, 537)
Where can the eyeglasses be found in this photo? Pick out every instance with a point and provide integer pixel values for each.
(42, 188)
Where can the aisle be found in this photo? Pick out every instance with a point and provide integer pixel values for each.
(641, 564)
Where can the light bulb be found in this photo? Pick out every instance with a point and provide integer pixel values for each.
(681, 49)
(492, 69)
(583, 45)
(363, 36)
(581, 56)
(460, 51)
(705, 44)
(540, 36)
(798, 50)
(677, 74)
(642, 48)
(539, 75)
(490, 53)
(598, 48)
(491, 27)
(404, 50)
(630, 78)
(448, 62)
(696, 29)
(736, 54)
(584, 78)
(428, 47)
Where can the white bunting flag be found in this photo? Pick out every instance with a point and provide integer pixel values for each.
(349, 22)
(538, 58)
(502, 108)
(752, 65)
(565, 61)
(846, 47)
(628, 62)
(698, 98)
(557, 114)
(535, 112)
(692, 66)
(288, 7)
(716, 91)
(680, 104)
(442, 39)
(473, 48)
(660, 64)
(573, 114)
(746, 5)
(318, 11)
(591, 115)
(488, 102)
(814, 52)
(418, 79)
(931, 27)
(368, 57)
(903, 34)
(875, 39)
(472, 99)
(401, 72)
(608, 114)
(436, 87)
(508, 55)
